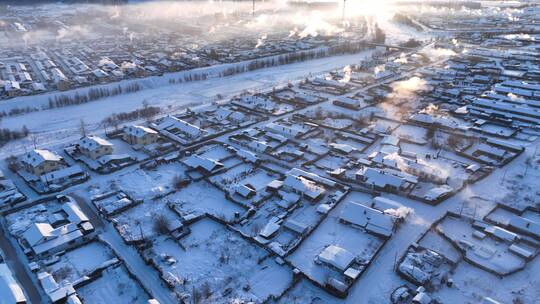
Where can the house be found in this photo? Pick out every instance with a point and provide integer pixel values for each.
(57, 293)
(246, 191)
(12, 88)
(378, 179)
(9, 194)
(42, 238)
(349, 103)
(39, 162)
(303, 186)
(10, 290)
(336, 257)
(62, 175)
(61, 81)
(203, 165)
(94, 147)
(374, 221)
(386, 179)
(139, 135)
(173, 127)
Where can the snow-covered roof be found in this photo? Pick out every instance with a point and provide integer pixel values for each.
(525, 225)
(75, 214)
(92, 142)
(37, 232)
(53, 176)
(371, 219)
(344, 148)
(303, 185)
(195, 161)
(379, 178)
(269, 229)
(171, 122)
(38, 156)
(244, 190)
(337, 257)
(138, 131)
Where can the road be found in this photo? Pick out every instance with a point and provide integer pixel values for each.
(13, 255)
(147, 275)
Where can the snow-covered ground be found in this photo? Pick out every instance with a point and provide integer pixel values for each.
(61, 125)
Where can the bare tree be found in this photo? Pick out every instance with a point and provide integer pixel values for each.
(161, 225)
(34, 140)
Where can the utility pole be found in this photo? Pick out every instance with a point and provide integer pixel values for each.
(343, 13)
(253, 9)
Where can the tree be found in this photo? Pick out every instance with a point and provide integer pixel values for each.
(161, 225)
(179, 182)
(34, 140)
(454, 141)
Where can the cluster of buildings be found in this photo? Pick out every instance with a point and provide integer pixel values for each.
(298, 178)
(76, 58)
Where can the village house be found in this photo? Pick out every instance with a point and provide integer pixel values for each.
(386, 179)
(95, 147)
(139, 135)
(374, 221)
(39, 162)
(63, 229)
(336, 257)
(203, 165)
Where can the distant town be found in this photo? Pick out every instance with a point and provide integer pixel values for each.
(390, 166)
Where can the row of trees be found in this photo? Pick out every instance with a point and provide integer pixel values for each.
(7, 135)
(18, 111)
(146, 112)
(93, 94)
(344, 48)
(64, 100)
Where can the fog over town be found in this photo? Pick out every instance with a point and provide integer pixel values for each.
(282, 151)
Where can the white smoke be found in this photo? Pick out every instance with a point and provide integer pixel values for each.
(438, 53)
(347, 73)
(115, 12)
(401, 212)
(514, 97)
(402, 59)
(260, 41)
(430, 109)
(410, 86)
(71, 32)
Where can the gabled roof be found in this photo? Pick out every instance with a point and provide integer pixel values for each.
(37, 232)
(38, 156)
(195, 161)
(371, 219)
(337, 257)
(138, 131)
(303, 185)
(379, 178)
(75, 214)
(93, 142)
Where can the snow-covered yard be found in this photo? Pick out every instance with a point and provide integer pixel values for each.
(217, 265)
